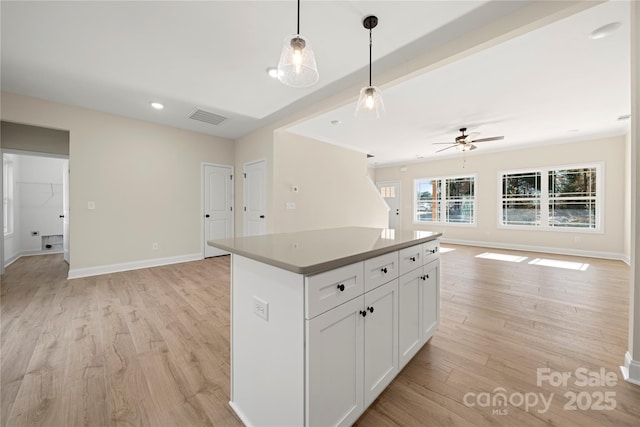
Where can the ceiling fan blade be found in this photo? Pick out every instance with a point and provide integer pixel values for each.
(493, 138)
(442, 143)
(446, 148)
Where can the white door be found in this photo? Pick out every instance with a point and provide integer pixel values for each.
(218, 206)
(335, 366)
(390, 192)
(380, 339)
(65, 210)
(255, 198)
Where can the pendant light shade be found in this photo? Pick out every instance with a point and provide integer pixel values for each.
(370, 104)
(297, 66)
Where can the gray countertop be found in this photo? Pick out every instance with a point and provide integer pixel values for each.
(312, 252)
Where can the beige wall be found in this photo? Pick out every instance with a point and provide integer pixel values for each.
(611, 151)
(627, 198)
(334, 187)
(144, 178)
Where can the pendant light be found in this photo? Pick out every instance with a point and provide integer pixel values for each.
(297, 66)
(370, 104)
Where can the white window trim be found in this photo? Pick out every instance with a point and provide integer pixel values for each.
(7, 166)
(544, 201)
(443, 198)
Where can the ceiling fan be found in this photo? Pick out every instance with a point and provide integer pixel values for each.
(464, 142)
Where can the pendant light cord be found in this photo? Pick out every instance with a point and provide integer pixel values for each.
(370, 43)
(298, 33)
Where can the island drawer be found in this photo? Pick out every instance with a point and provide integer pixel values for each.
(431, 251)
(380, 270)
(327, 290)
(410, 258)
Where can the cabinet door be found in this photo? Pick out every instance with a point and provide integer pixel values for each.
(409, 311)
(334, 359)
(430, 299)
(380, 339)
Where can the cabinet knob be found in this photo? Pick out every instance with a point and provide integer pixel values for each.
(433, 251)
(384, 270)
(207, 216)
(412, 258)
(341, 287)
(370, 309)
(423, 277)
(363, 313)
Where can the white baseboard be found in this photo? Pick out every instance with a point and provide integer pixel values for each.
(135, 265)
(542, 249)
(631, 369)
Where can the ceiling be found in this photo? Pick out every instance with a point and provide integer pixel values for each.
(117, 57)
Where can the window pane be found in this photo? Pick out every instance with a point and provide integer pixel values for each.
(521, 212)
(388, 192)
(572, 213)
(428, 200)
(520, 185)
(572, 183)
(521, 194)
(460, 200)
(572, 198)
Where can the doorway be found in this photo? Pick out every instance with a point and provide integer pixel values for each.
(217, 188)
(35, 196)
(390, 192)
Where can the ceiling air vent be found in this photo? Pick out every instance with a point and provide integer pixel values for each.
(207, 117)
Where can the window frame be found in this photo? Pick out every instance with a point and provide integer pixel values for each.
(545, 198)
(442, 201)
(8, 196)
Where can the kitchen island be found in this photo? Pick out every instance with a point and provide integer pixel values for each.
(322, 321)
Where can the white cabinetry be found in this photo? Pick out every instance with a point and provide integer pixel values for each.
(329, 343)
(419, 307)
(352, 347)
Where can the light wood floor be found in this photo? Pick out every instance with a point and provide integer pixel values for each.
(151, 347)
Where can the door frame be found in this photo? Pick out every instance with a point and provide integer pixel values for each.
(398, 196)
(203, 242)
(34, 154)
(244, 193)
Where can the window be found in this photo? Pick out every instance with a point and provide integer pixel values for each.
(552, 198)
(7, 195)
(449, 200)
(388, 192)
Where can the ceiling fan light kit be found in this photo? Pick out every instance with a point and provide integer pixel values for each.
(297, 66)
(370, 103)
(464, 142)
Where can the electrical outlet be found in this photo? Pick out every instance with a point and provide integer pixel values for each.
(155, 246)
(91, 205)
(291, 205)
(261, 308)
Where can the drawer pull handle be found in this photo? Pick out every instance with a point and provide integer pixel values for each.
(363, 313)
(412, 258)
(341, 287)
(384, 270)
(370, 309)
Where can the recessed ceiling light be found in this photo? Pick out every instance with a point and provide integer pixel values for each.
(157, 105)
(624, 117)
(604, 31)
(273, 72)
(336, 122)
(418, 156)
(573, 131)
